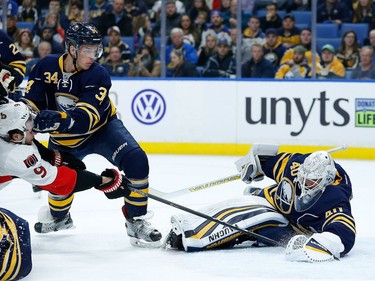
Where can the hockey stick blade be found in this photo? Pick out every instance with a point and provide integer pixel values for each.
(195, 188)
(203, 215)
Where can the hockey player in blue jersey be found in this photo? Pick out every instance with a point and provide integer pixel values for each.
(307, 210)
(15, 246)
(13, 62)
(70, 92)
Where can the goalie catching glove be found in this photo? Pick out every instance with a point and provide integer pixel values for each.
(320, 247)
(116, 187)
(53, 121)
(250, 166)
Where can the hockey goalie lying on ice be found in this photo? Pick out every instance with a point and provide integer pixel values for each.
(307, 210)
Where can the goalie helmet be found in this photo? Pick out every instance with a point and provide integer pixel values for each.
(313, 176)
(15, 116)
(83, 33)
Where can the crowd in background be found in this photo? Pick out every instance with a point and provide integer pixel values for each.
(202, 36)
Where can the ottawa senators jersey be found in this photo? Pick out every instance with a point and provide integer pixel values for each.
(25, 162)
(84, 94)
(332, 211)
(15, 246)
(10, 55)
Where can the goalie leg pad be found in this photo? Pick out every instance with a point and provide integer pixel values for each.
(249, 213)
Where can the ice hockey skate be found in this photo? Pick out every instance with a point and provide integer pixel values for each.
(173, 241)
(46, 223)
(141, 232)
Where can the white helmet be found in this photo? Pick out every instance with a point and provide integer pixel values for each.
(315, 173)
(15, 116)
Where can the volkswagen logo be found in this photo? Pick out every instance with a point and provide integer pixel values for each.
(148, 107)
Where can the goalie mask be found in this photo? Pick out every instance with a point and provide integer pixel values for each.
(315, 173)
(15, 117)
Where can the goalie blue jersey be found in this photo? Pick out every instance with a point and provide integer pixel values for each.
(15, 246)
(84, 94)
(331, 212)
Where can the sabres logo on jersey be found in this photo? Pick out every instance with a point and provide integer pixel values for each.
(65, 102)
(284, 196)
(30, 161)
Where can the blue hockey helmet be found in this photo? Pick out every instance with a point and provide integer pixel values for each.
(83, 33)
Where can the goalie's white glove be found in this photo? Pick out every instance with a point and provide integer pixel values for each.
(320, 247)
(250, 166)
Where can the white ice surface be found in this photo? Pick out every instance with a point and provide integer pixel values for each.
(99, 249)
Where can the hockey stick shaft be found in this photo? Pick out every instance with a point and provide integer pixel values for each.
(207, 217)
(195, 188)
(339, 148)
(213, 183)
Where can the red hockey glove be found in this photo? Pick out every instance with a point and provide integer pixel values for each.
(116, 188)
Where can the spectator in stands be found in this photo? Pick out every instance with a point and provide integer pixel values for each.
(289, 34)
(216, 26)
(75, 10)
(189, 52)
(46, 34)
(333, 11)
(27, 12)
(371, 41)
(115, 65)
(198, 5)
(12, 29)
(297, 67)
(149, 41)
(191, 33)
(225, 11)
(246, 44)
(305, 41)
(205, 52)
(12, 8)
(257, 66)
(134, 8)
(142, 26)
(114, 39)
(222, 64)
(53, 6)
(348, 51)
(364, 12)
(116, 17)
(200, 22)
(298, 5)
(273, 50)
(98, 8)
(145, 64)
(172, 20)
(25, 44)
(253, 31)
(52, 19)
(272, 18)
(331, 67)
(44, 48)
(366, 68)
(182, 67)
(180, 7)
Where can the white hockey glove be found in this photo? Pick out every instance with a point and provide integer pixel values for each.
(319, 247)
(250, 166)
(6, 80)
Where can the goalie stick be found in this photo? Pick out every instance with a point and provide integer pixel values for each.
(187, 190)
(207, 217)
(194, 188)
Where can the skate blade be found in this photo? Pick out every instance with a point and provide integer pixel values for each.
(135, 242)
